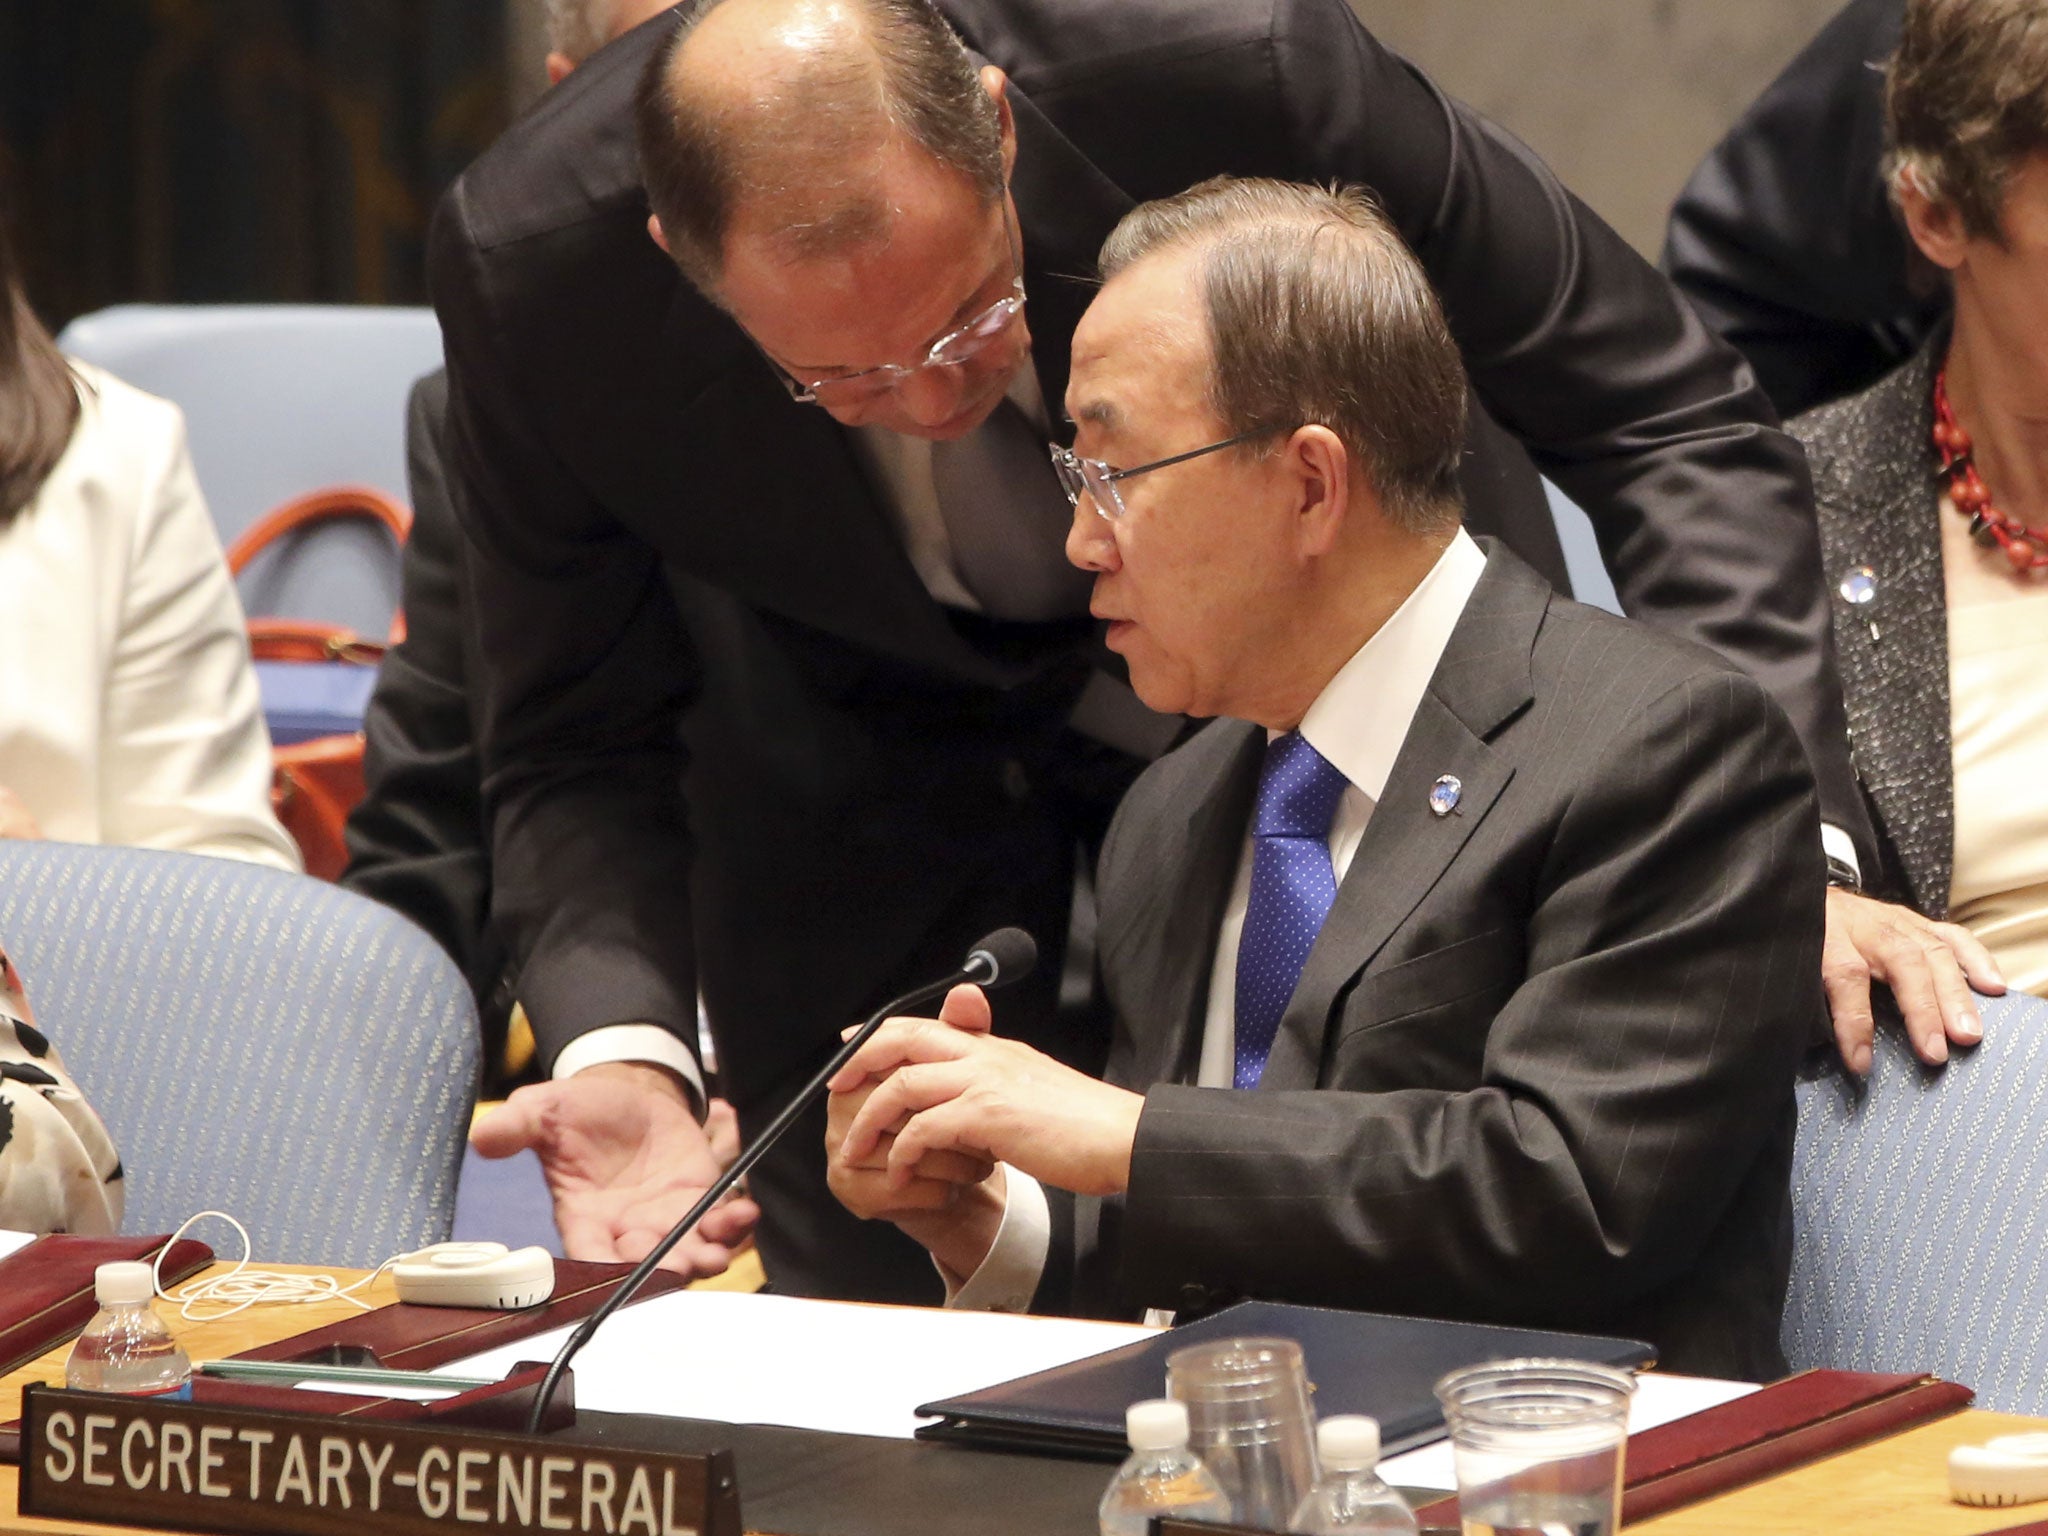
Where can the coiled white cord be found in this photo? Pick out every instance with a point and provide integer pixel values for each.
(243, 1287)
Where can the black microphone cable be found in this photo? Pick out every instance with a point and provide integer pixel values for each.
(1002, 957)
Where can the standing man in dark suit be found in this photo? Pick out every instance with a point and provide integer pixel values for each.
(417, 840)
(1465, 970)
(823, 422)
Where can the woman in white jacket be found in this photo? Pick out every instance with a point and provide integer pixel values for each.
(128, 705)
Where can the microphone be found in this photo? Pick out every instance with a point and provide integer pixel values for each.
(1000, 958)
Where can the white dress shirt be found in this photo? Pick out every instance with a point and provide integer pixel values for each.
(128, 705)
(1357, 723)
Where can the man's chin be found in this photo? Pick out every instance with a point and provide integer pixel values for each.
(1122, 637)
(959, 426)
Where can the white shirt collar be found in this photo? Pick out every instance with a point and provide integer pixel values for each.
(1361, 717)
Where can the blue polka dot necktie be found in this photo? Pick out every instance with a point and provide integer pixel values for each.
(1293, 886)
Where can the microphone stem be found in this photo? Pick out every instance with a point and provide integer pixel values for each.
(977, 969)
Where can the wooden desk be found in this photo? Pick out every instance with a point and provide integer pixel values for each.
(1893, 1487)
(202, 1341)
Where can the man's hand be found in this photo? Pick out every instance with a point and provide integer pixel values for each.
(624, 1158)
(867, 1188)
(1929, 966)
(864, 1186)
(935, 1086)
(15, 820)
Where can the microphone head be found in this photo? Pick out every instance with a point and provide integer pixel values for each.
(1005, 956)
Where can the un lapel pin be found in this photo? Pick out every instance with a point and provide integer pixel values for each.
(1443, 795)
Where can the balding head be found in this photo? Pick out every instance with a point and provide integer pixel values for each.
(782, 120)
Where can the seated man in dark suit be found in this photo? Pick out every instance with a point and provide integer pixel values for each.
(1506, 912)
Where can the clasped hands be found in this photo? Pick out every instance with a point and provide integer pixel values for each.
(922, 1119)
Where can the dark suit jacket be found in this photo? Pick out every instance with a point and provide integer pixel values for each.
(1880, 507)
(1539, 1065)
(417, 841)
(870, 781)
(1785, 240)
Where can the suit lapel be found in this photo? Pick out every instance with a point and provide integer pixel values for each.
(1190, 881)
(1481, 682)
(1880, 512)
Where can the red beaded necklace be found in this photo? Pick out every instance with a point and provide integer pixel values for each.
(2025, 547)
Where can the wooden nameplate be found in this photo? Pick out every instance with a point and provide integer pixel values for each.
(178, 1465)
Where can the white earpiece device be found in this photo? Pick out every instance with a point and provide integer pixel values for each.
(2013, 1469)
(475, 1275)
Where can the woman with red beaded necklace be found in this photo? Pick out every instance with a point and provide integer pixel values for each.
(1933, 494)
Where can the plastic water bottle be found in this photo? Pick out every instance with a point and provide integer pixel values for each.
(1163, 1477)
(126, 1347)
(1350, 1497)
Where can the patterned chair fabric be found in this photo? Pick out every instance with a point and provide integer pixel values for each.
(1920, 1204)
(257, 1043)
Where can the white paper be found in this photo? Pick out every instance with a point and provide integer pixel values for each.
(1658, 1400)
(356, 1389)
(10, 1242)
(752, 1359)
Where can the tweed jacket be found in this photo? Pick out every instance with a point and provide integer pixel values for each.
(1880, 509)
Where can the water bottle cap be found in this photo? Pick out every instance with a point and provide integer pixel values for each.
(123, 1283)
(1158, 1425)
(1350, 1442)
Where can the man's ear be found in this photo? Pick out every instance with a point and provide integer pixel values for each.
(655, 233)
(1320, 467)
(997, 84)
(1936, 227)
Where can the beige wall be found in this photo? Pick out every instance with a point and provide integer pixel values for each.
(1622, 97)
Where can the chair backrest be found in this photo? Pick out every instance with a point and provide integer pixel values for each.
(1920, 1203)
(258, 1043)
(279, 400)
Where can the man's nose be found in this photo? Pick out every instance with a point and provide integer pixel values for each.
(1091, 541)
(931, 395)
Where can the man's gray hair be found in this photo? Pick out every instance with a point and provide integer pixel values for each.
(1319, 314)
(805, 146)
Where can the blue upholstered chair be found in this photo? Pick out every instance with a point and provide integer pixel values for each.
(258, 1043)
(1921, 1210)
(279, 400)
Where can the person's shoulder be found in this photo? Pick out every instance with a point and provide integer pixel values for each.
(568, 159)
(109, 401)
(1596, 666)
(123, 433)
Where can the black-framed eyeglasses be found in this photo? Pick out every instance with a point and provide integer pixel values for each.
(1099, 480)
(957, 347)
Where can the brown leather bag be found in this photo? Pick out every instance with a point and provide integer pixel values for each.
(315, 784)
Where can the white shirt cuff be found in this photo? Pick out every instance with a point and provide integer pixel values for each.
(1008, 1278)
(1839, 845)
(635, 1042)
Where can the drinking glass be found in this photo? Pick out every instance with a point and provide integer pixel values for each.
(1250, 1422)
(1538, 1446)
